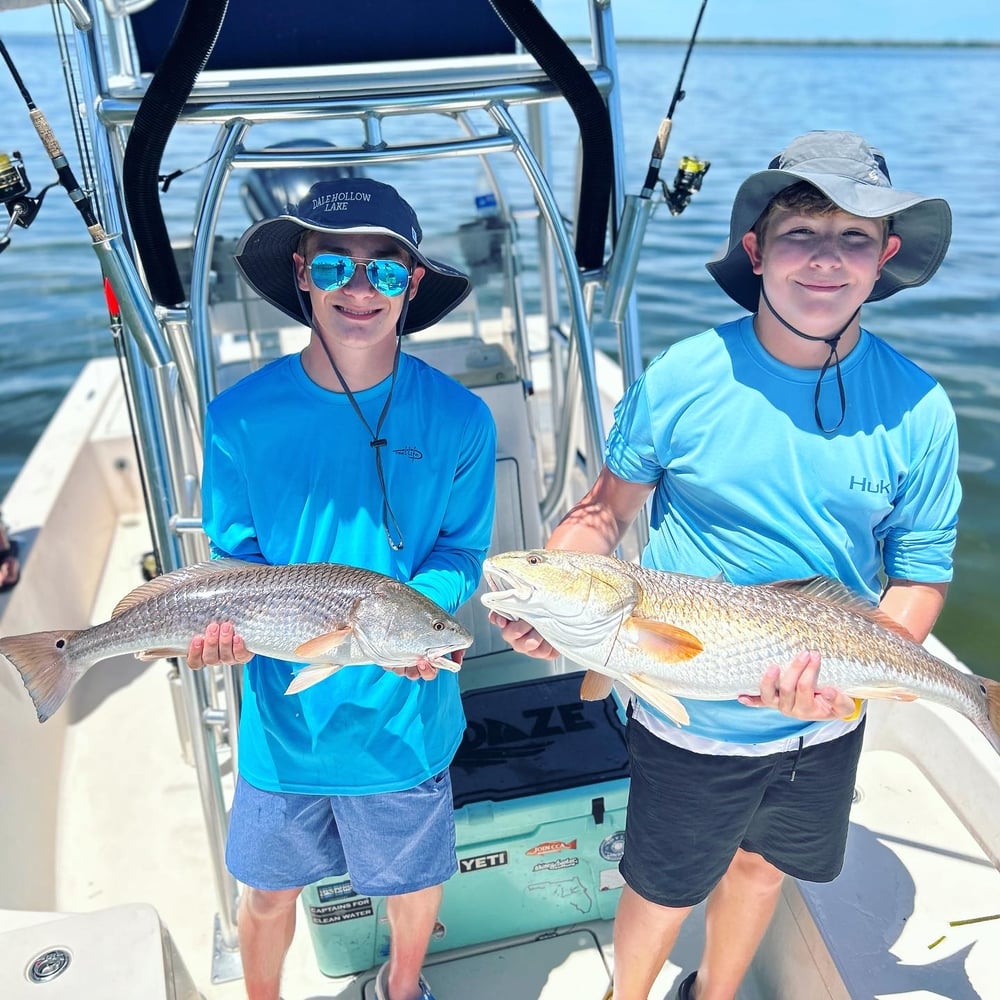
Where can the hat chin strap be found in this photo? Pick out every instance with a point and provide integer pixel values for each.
(833, 358)
(393, 532)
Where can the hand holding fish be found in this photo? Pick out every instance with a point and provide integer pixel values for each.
(522, 637)
(794, 690)
(423, 669)
(219, 646)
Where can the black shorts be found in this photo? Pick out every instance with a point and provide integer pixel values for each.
(689, 812)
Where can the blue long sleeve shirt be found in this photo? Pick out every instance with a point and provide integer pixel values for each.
(289, 476)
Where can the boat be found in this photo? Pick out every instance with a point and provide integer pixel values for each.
(114, 812)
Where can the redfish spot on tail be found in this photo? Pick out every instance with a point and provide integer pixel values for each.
(44, 665)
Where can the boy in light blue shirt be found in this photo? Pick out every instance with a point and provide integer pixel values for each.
(788, 443)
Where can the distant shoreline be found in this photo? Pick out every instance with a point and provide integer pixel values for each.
(786, 42)
(816, 42)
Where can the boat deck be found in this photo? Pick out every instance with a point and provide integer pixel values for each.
(913, 868)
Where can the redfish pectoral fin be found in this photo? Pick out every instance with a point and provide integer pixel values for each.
(595, 686)
(317, 648)
(160, 653)
(663, 642)
(309, 676)
(670, 706)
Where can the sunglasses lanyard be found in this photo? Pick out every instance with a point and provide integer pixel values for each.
(833, 358)
(378, 443)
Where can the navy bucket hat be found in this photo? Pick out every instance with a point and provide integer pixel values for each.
(346, 205)
(854, 176)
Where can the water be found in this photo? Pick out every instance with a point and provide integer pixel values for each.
(931, 110)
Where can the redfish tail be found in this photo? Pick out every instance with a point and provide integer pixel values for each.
(991, 689)
(45, 667)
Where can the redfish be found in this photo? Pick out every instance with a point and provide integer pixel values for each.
(323, 615)
(669, 636)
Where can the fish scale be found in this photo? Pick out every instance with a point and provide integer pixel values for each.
(674, 635)
(773, 625)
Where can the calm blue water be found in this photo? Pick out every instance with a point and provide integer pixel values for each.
(931, 110)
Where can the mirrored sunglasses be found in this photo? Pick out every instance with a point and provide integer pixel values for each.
(333, 270)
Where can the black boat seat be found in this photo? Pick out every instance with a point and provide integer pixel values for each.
(421, 53)
(258, 34)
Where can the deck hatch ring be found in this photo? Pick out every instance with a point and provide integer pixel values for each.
(48, 965)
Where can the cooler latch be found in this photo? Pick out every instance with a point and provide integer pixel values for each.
(597, 810)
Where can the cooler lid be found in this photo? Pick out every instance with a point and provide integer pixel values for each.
(534, 737)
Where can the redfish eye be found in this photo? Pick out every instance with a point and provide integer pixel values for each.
(438, 625)
(534, 560)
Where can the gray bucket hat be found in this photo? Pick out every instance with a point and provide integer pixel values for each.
(346, 205)
(855, 178)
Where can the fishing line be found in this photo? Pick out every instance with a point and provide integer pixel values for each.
(80, 133)
(833, 358)
(167, 179)
(621, 617)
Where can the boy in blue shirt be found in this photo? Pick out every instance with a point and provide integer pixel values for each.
(349, 452)
(789, 443)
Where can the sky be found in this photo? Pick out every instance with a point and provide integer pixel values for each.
(853, 20)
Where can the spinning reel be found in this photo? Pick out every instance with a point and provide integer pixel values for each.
(14, 193)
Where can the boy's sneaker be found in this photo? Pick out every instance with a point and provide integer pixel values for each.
(686, 989)
(382, 985)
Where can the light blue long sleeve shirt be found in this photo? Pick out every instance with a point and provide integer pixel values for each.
(748, 486)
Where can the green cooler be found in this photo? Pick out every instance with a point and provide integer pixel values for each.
(540, 784)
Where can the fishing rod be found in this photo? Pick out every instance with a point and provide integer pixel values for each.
(619, 315)
(14, 184)
(691, 171)
(116, 265)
